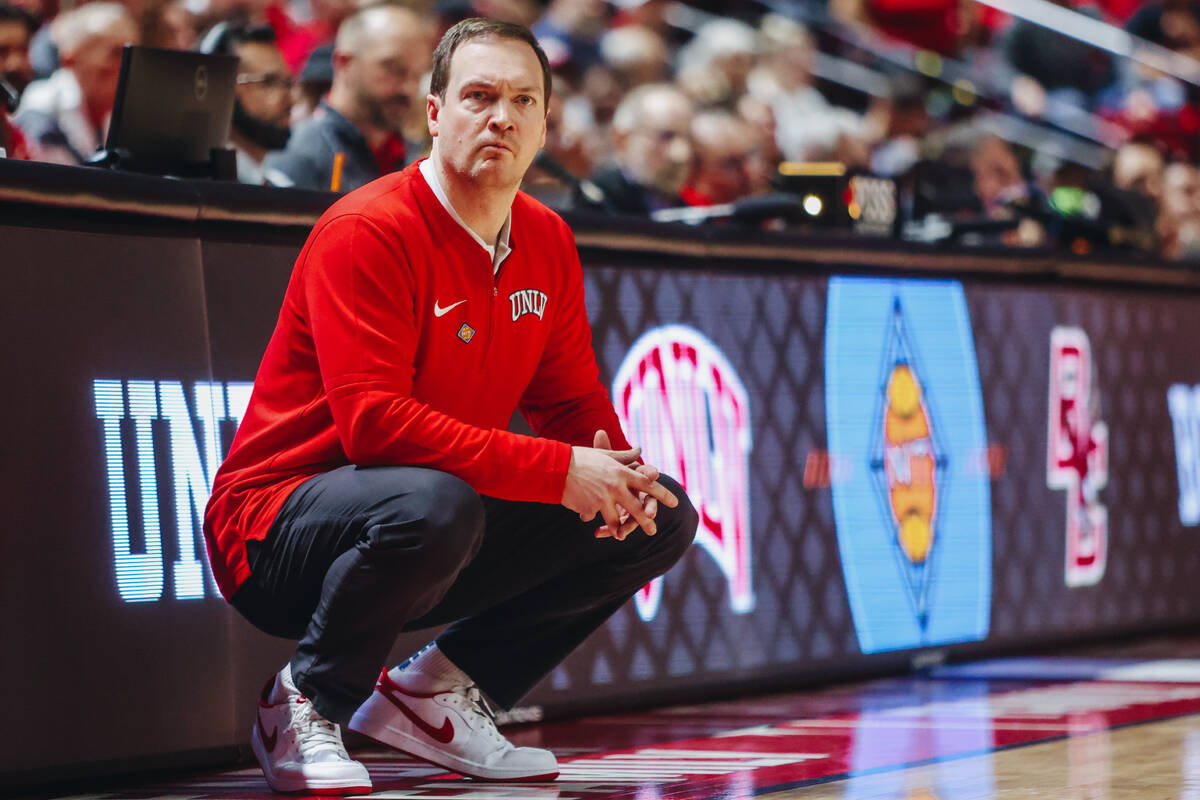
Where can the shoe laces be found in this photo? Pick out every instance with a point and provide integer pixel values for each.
(315, 734)
(474, 702)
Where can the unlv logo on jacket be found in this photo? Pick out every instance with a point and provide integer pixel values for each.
(527, 301)
(677, 396)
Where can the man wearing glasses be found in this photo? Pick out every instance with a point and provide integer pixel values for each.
(354, 136)
(263, 101)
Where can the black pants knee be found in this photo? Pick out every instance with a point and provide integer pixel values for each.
(358, 554)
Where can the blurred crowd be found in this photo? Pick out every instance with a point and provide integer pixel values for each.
(995, 129)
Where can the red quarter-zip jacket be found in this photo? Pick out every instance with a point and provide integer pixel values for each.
(396, 344)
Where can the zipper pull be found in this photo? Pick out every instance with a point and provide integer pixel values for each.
(495, 291)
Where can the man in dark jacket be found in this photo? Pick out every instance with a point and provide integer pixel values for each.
(378, 60)
(652, 133)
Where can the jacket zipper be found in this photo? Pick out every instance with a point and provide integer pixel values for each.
(487, 348)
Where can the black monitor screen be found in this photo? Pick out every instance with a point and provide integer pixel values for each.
(172, 108)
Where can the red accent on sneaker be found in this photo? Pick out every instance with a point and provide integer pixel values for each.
(341, 791)
(268, 741)
(389, 689)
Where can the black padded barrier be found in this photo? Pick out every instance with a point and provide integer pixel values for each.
(137, 309)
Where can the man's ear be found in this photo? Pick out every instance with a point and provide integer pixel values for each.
(619, 138)
(545, 126)
(433, 107)
(340, 59)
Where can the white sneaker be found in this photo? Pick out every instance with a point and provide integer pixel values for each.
(301, 751)
(452, 730)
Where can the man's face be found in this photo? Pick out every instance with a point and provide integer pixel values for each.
(264, 83)
(492, 121)
(997, 172)
(97, 64)
(1139, 168)
(386, 74)
(658, 153)
(14, 55)
(726, 165)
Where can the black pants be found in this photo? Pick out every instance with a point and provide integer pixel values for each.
(357, 555)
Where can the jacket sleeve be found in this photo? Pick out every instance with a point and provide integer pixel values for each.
(565, 400)
(357, 289)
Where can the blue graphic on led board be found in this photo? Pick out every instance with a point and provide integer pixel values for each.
(911, 497)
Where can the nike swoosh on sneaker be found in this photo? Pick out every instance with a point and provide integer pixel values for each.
(442, 735)
(438, 311)
(271, 740)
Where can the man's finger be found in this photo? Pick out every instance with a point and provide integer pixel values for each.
(630, 503)
(651, 509)
(626, 457)
(654, 488)
(626, 529)
(648, 471)
(612, 517)
(600, 440)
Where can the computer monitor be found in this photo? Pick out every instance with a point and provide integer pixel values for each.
(172, 113)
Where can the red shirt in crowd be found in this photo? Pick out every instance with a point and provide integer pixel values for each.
(390, 154)
(296, 40)
(17, 145)
(396, 344)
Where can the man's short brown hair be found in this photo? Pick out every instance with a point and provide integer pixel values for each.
(478, 28)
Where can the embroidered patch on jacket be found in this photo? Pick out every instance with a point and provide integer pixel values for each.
(527, 301)
(466, 332)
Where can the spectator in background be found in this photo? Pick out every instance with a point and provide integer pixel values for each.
(1180, 224)
(262, 106)
(316, 79)
(12, 141)
(379, 58)
(1138, 167)
(209, 13)
(928, 24)
(569, 32)
(637, 55)
(16, 30)
(298, 38)
(804, 120)
(1171, 23)
(566, 156)
(66, 115)
(1138, 170)
(166, 23)
(653, 150)
(726, 165)
(715, 65)
(1002, 191)
(897, 124)
(1057, 75)
(997, 173)
(761, 119)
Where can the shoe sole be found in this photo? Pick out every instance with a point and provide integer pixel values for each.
(385, 734)
(301, 785)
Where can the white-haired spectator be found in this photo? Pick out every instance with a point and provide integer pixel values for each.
(637, 54)
(67, 114)
(714, 66)
(805, 122)
(653, 151)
